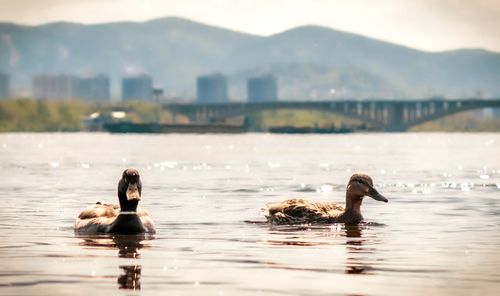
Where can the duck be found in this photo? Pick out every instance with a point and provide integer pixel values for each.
(300, 211)
(124, 218)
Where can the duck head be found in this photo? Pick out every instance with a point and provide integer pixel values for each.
(359, 186)
(129, 190)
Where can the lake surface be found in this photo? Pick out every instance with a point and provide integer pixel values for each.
(438, 235)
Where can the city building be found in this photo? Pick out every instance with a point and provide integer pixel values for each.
(4, 86)
(211, 88)
(64, 86)
(55, 87)
(93, 88)
(138, 88)
(262, 89)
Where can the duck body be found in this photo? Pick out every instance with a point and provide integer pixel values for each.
(124, 218)
(300, 211)
(106, 218)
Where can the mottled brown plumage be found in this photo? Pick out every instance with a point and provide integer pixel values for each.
(300, 211)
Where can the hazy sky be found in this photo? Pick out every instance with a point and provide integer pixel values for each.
(423, 24)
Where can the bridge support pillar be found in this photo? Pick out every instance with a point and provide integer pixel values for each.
(395, 117)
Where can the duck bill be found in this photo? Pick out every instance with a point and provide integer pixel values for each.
(133, 192)
(373, 193)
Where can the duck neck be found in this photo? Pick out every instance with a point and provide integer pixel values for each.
(353, 203)
(352, 213)
(127, 205)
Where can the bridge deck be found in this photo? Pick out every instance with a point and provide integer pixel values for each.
(390, 115)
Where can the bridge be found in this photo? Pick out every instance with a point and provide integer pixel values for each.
(387, 115)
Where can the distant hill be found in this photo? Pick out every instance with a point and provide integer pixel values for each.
(310, 62)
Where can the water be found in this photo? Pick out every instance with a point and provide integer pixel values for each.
(439, 234)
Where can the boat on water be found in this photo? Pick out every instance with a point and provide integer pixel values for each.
(158, 128)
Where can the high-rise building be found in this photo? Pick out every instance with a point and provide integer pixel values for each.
(262, 89)
(137, 88)
(64, 86)
(94, 88)
(50, 87)
(211, 88)
(4, 86)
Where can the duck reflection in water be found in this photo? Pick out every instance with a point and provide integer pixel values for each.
(131, 278)
(128, 246)
(357, 252)
(354, 245)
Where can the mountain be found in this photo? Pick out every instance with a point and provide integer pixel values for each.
(310, 62)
